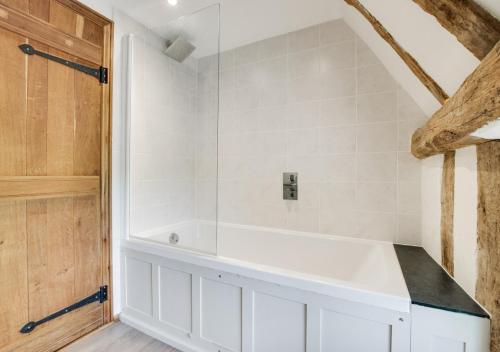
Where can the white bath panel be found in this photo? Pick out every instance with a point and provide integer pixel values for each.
(221, 314)
(175, 298)
(446, 344)
(279, 324)
(435, 330)
(139, 286)
(344, 333)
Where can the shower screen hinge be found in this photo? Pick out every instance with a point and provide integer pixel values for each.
(100, 296)
(100, 73)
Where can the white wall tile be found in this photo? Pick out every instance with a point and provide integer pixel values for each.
(338, 112)
(337, 56)
(377, 197)
(303, 115)
(375, 79)
(375, 225)
(317, 102)
(337, 140)
(335, 32)
(338, 84)
(304, 63)
(302, 142)
(377, 107)
(364, 55)
(246, 54)
(379, 137)
(272, 47)
(377, 167)
(303, 39)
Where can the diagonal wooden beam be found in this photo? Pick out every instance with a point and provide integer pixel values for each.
(413, 65)
(474, 27)
(476, 103)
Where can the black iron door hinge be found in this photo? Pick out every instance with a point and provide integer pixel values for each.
(100, 296)
(100, 73)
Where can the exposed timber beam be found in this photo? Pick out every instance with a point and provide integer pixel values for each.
(476, 103)
(412, 64)
(473, 26)
(447, 209)
(488, 236)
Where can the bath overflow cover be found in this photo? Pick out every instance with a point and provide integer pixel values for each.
(174, 238)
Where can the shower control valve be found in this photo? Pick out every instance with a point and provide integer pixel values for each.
(290, 186)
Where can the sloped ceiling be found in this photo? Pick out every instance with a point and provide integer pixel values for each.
(246, 21)
(242, 21)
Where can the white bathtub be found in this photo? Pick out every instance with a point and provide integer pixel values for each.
(268, 290)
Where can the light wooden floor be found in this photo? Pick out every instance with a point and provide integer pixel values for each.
(118, 338)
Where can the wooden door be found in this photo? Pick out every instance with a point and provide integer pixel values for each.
(54, 172)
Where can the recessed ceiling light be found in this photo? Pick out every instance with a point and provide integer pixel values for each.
(173, 2)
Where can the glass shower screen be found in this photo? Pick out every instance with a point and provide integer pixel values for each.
(173, 79)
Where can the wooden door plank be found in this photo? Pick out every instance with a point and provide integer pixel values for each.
(60, 278)
(13, 271)
(40, 9)
(93, 32)
(63, 18)
(20, 5)
(61, 118)
(88, 251)
(59, 332)
(12, 105)
(36, 136)
(38, 257)
(87, 157)
(36, 29)
(488, 228)
(87, 12)
(50, 186)
(80, 24)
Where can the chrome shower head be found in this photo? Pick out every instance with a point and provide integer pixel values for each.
(179, 49)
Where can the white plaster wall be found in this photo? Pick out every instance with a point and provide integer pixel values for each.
(465, 219)
(432, 169)
(492, 6)
(465, 214)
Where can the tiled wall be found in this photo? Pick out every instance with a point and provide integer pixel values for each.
(162, 142)
(316, 102)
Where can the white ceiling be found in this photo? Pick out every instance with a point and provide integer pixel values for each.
(242, 21)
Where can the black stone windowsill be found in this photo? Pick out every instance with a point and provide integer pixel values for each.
(430, 286)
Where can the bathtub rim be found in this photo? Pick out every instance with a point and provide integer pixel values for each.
(397, 301)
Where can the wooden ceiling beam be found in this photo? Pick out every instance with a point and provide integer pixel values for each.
(412, 64)
(473, 26)
(476, 103)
